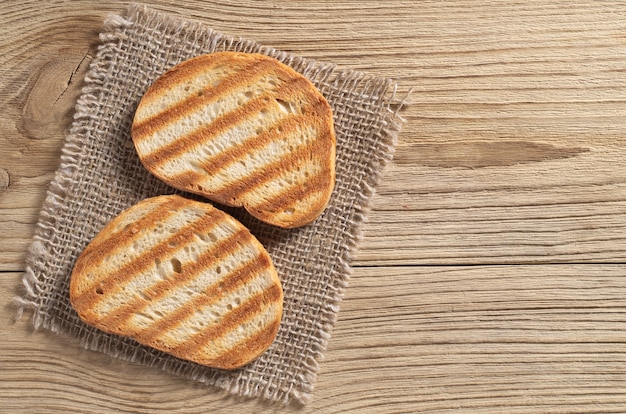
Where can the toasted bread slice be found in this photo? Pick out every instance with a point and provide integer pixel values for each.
(243, 130)
(183, 277)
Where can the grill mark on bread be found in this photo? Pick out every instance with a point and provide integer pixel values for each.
(232, 192)
(211, 295)
(222, 142)
(253, 306)
(161, 118)
(273, 132)
(298, 158)
(121, 316)
(213, 129)
(233, 81)
(178, 75)
(183, 82)
(316, 184)
(254, 344)
(163, 288)
(234, 153)
(247, 184)
(197, 137)
(121, 239)
(246, 293)
(114, 281)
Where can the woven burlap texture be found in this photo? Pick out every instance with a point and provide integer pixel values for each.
(100, 175)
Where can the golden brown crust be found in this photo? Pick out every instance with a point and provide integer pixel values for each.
(292, 118)
(120, 283)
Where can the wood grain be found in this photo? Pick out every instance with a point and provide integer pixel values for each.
(536, 338)
(491, 273)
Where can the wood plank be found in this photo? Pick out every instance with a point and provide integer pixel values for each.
(501, 225)
(479, 339)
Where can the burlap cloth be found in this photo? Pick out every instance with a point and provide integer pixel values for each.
(100, 175)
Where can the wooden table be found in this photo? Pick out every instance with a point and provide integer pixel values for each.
(491, 276)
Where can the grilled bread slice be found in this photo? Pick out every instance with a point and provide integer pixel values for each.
(243, 130)
(183, 277)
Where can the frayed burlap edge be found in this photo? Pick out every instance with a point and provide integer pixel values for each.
(86, 106)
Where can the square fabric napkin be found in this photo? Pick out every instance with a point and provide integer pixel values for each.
(100, 175)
